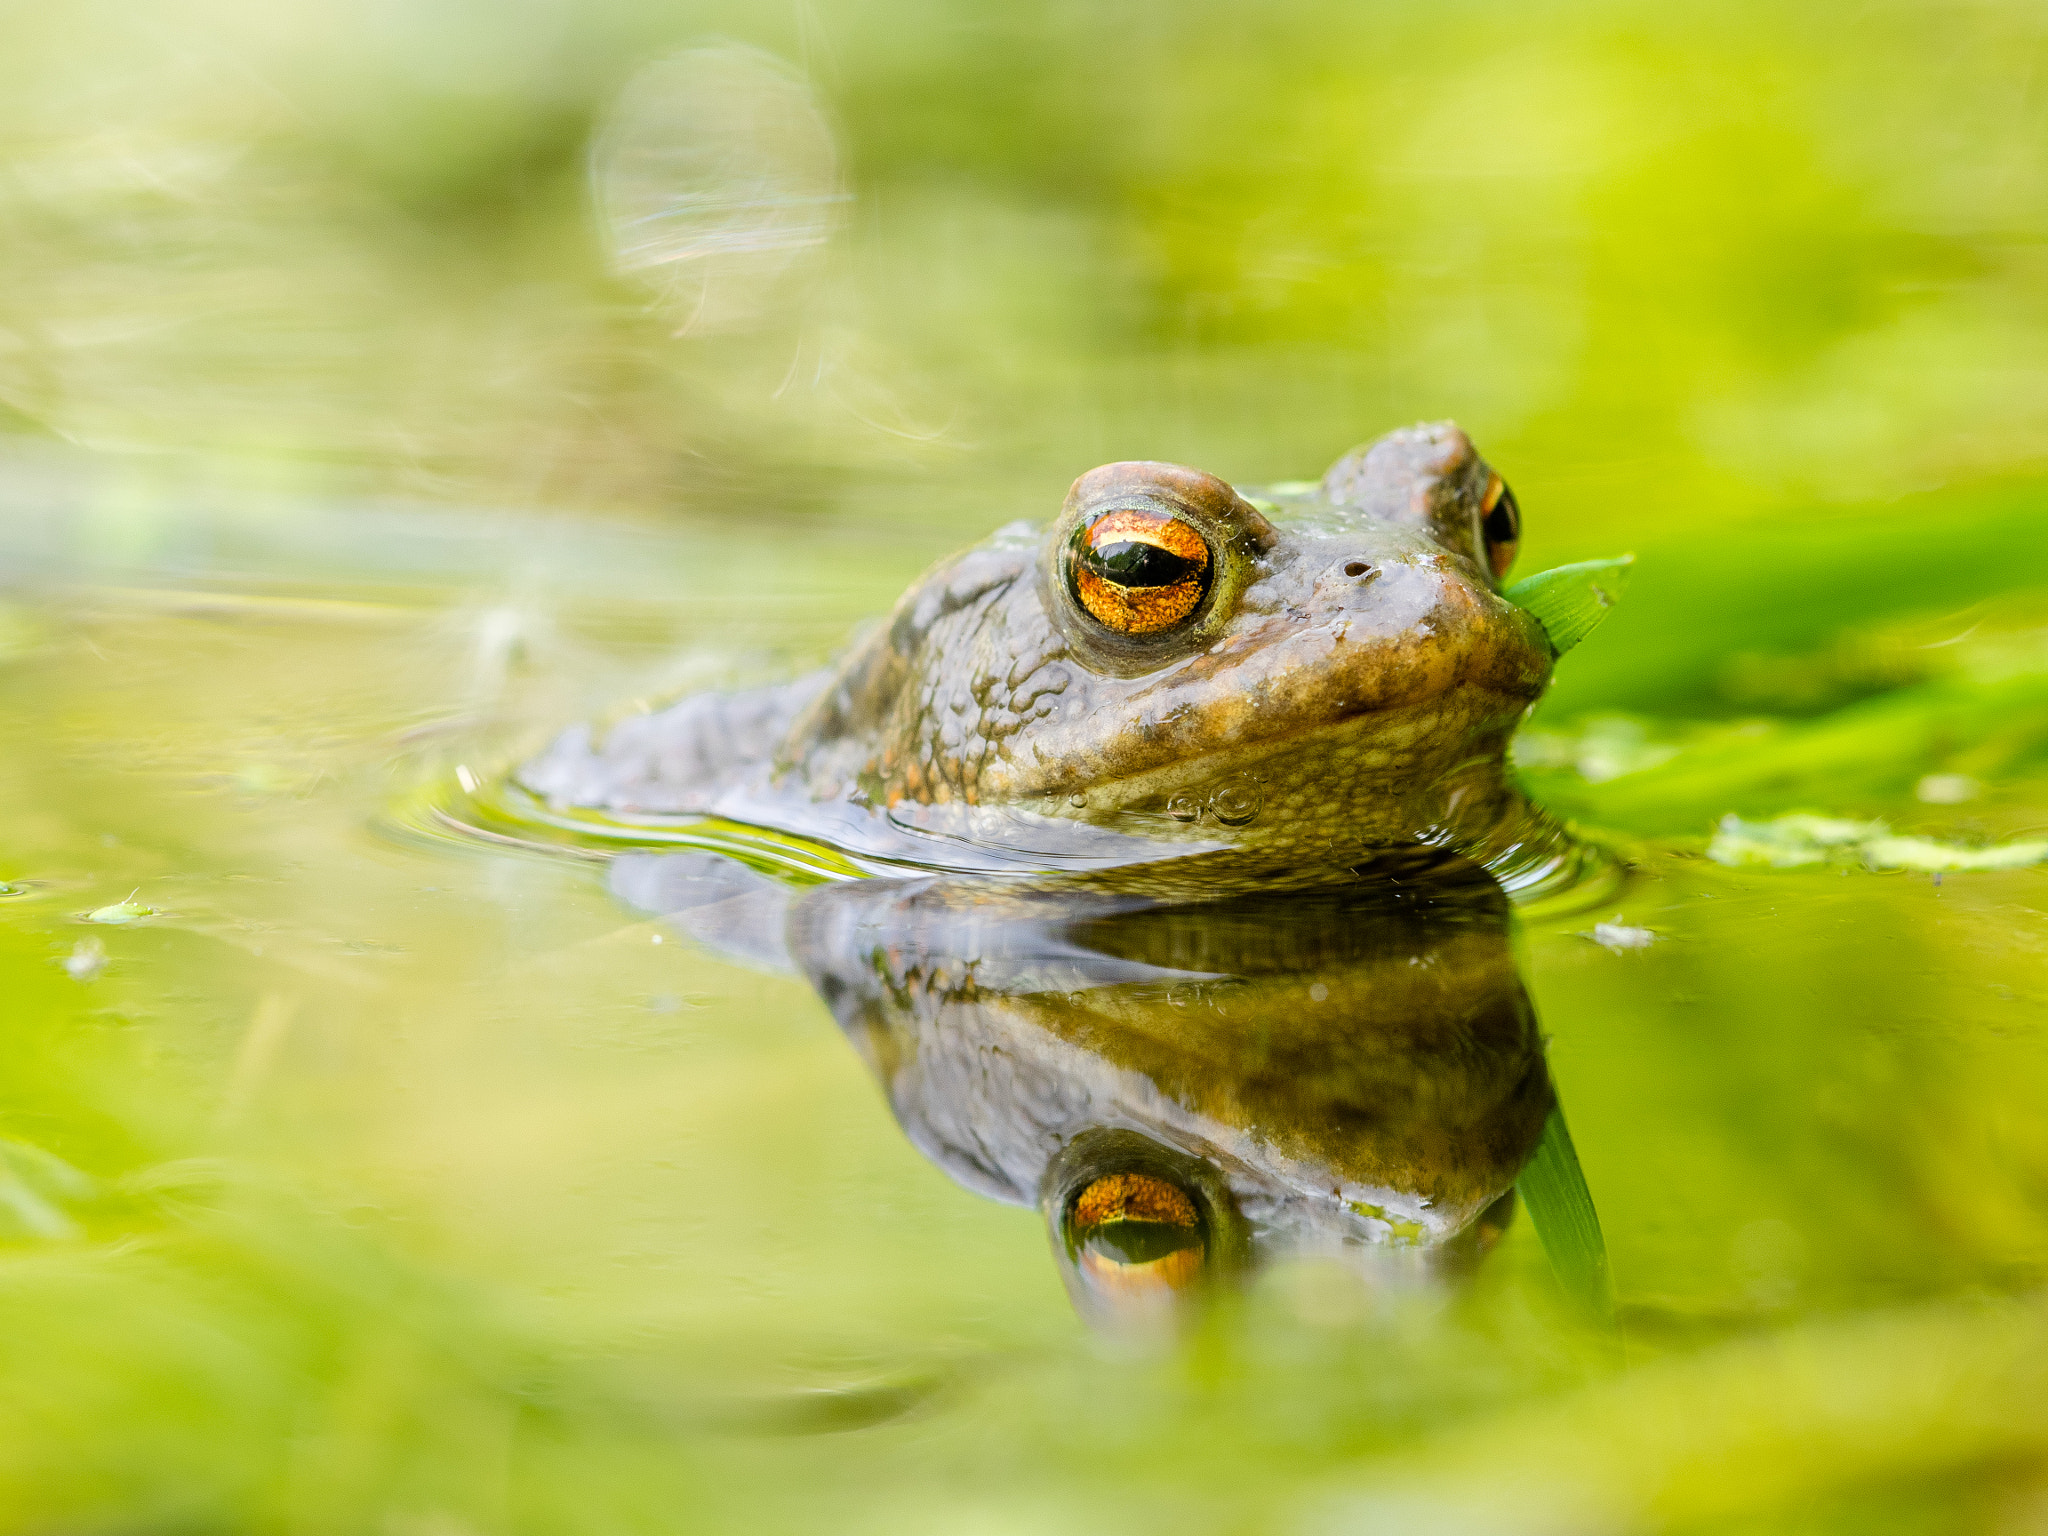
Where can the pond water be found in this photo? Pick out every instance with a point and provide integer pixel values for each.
(364, 1176)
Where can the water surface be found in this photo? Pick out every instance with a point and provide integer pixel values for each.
(360, 1177)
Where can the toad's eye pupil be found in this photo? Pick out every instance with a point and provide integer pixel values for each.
(1132, 564)
(1500, 524)
(1504, 522)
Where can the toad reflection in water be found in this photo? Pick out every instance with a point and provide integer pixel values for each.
(1187, 1089)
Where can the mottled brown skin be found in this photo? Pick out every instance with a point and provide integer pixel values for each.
(1361, 689)
(1347, 677)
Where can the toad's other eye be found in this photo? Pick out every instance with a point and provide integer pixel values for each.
(1135, 1233)
(1139, 571)
(1500, 524)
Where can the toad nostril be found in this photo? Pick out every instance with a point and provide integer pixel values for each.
(1355, 567)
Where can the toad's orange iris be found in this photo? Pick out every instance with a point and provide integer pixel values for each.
(1134, 1234)
(1139, 571)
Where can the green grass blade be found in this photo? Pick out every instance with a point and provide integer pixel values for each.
(1553, 1187)
(1569, 601)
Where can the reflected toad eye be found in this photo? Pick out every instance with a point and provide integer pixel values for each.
(1138, 571)
(1133, 1233)
(1500, 524)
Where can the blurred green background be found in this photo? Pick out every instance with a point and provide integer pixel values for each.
(381, 386)
(1671, 265)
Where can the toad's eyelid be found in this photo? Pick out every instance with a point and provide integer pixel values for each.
(1145, 525)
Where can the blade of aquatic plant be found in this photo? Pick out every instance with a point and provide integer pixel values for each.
(1553, 1187)
(1569, 601)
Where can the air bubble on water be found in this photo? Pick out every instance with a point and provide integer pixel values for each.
(1947, 789)
(1077, 801)
(717, 181)
(1183, 806)
(1236, 801)
(504, 640)
(87, 959)
(1619, 937)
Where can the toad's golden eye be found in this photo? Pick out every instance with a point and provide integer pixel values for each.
(1139, 571)
(1500, 524)
(1134, 1233)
